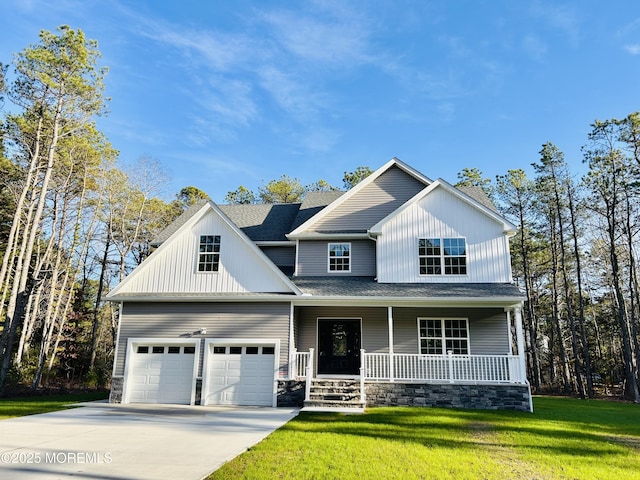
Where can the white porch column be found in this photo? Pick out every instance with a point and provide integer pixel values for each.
(520, 340)
(293, 367)
(390, 323)
(509, 332)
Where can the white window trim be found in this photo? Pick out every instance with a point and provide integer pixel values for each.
(443, 256)
(198, 253)
(329, 257)
(443, 320)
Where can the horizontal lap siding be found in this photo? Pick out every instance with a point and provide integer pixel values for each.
(371, 204)
(222, 320)
(488, 334)
(313, 258)
(374, 325)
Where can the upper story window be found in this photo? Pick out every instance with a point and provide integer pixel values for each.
(442, 256)
(209, 253)
(339, 257)
(438, 336)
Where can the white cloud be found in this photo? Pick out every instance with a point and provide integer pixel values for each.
(633, 49)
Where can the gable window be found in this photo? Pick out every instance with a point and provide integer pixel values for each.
(439, 336)
(209, 253)
(339, 257)
(442, 256)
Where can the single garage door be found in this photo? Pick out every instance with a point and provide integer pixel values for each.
(240, 375)
(161, 373)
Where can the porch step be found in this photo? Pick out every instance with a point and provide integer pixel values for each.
(334, 395)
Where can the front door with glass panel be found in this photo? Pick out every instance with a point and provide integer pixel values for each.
(338, 347)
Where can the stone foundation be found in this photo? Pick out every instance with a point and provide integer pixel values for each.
(115, 396)
(291, 393)
(487, 397)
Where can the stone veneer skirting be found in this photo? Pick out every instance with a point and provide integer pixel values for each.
(487, 397)
(380, 394)
(291, 393)
(117, 385)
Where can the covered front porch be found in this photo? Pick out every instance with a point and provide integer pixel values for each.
(396, 345)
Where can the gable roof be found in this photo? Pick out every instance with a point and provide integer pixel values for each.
(266, 222)
(186, 224)
(479, 195)
(308, 225)
(508, 227)
(263, 222)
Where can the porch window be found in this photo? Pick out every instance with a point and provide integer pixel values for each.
(438, 336)
(339, 257)
(442, 256)
(209, 253)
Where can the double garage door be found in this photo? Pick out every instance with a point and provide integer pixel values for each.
(233, 373)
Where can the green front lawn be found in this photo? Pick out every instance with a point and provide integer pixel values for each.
(18, 407)
(562, 439)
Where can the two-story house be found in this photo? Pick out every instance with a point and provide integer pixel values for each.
(397, 292)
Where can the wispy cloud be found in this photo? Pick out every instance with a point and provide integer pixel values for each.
(534, 47)
(633, 49)
(560, 17)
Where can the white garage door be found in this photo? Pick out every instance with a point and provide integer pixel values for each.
(240, 375)
(161, 373)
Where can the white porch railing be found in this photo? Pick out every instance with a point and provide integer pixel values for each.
(416, 367)
(299, 364)
(443, 368)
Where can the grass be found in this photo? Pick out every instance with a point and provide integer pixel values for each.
(563, 439)
(18, 407)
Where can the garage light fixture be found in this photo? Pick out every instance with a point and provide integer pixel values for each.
(203, 331)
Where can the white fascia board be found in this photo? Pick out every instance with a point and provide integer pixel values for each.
(257, 250)
(186, 298)
(151, 258)
(275, 243)
(189, 224)
(453, 302)
(331, 236)
(339, 201)
(509, 228)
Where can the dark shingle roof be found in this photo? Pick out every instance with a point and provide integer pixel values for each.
(336, 286)
(479, 195)
(314, 202)
(174, 226)
(263, 222)
(260, 222)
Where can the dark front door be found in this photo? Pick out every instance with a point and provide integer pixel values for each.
(339, 347)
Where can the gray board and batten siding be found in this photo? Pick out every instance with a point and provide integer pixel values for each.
(221, 320)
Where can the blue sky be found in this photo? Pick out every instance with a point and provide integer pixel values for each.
(225, 93)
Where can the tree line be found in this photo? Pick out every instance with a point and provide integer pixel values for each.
(575, 258)
(74, 221)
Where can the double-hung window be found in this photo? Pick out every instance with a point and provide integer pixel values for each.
(339, 257)
(442, 256)
(438, 336)
(209, 253)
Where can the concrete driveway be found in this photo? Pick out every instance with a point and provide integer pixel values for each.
(105, 441)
